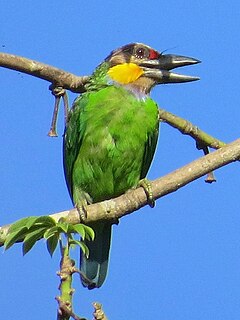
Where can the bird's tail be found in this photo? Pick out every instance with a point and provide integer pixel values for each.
(94, 268)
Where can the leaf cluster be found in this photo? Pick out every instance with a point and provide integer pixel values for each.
(31, 229)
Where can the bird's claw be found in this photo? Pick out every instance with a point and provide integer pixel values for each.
(82, 211)
(146, 185)
(82, 200)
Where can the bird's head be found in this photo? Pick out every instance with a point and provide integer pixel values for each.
(142, 67)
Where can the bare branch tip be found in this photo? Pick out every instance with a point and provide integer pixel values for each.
(52, 134)
(98, 312)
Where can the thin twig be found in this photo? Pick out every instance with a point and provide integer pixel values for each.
(210, 175)
(52, 132)
(58, 92)
(186, 127)
(82, 276)
(66, 107)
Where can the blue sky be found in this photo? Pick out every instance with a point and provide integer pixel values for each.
(180, 260)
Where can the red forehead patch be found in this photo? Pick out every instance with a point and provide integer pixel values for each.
(153, 54)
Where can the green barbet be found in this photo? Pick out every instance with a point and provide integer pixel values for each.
(111, 136)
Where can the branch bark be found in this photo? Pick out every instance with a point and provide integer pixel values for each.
(44, 71)
(186, 127)
(98, 312)
(135, 199)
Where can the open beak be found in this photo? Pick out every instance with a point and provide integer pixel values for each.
(159, 69)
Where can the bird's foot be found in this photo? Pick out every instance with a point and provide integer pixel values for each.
(83, 200)
(82, 211)
(146, 185)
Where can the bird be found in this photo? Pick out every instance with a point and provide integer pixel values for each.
(111, 135)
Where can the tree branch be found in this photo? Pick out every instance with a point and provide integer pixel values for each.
(135, 199)
(65, 287)
(186, 127)
(76, 84)
(44, 71)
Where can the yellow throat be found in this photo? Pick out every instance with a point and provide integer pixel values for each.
(125, 73)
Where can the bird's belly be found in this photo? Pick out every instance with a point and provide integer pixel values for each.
(109, 169)
(110, 160)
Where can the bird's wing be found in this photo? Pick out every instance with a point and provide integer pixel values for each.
(73, 137)
(149, 150)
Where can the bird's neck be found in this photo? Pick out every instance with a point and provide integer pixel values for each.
(98, 79)
(141, 87)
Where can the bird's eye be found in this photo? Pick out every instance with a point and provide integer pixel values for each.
(140, 53)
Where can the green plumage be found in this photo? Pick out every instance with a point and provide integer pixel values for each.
(111, 136)
(109, 144)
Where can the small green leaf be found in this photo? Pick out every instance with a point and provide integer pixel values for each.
(63, 226)
(84, 248)
(31, 238)
(52, 244)
(82, 245)
(46, 221)
(80, 229)
(90, 235)
(30, 221)
(51, 232)
(13, 237)
(70, 228)
(73, 242)
(19, 224)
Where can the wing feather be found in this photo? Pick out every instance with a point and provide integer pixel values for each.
(73, 135)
